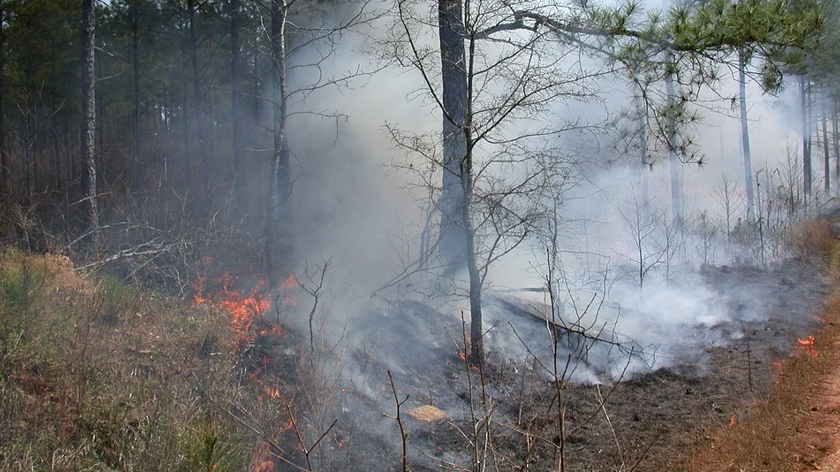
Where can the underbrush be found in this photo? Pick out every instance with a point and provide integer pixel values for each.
(778, 434)
(97, 375)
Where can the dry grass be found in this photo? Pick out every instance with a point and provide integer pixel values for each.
(786, 432)
(813, 242)
(97, 375)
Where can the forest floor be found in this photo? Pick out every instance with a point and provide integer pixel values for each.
(94, 373)
(651, 421)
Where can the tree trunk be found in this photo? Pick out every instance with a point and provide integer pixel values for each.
(29, 171)
(135, 64)
(279, 214)
(236, 109)
(644, 167)
(453, 237)
(806, 139)
(745, 139)
(836, 142)
(674, 159)
(186, 120)
(89, 121)
(5, 181)
(198, 114)
(826, 154)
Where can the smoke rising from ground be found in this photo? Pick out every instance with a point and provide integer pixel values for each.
(357, 205)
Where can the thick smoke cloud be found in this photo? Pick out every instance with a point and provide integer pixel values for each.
(355, 205)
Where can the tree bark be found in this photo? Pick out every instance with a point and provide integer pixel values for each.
(453, 235)
(806, 139)
(745, 139)
(89, 120)
(135, 64)
(826, 154)
(836, 142)
(186, 120)
(236, 108)
(279, 214)
(5, 181)
(198, 114)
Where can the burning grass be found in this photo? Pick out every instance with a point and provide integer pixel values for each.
(793, 428)
(97, 375)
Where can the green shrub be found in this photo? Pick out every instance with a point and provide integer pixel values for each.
(210, 448)
(115, 300)
(21, 279)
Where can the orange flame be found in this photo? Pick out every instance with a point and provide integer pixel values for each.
(807, 345)
(733, 421)
(244, 310)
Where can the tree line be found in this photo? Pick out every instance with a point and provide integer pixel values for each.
(188, 101)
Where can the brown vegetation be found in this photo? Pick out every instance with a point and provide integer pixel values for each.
(97, 375)
(793, 428)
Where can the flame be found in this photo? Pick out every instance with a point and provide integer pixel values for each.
(807, 345)
(733, 421)
(244, 309)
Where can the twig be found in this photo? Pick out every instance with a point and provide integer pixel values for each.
(398, 418)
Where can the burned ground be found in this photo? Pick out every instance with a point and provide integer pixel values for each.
(642, 421)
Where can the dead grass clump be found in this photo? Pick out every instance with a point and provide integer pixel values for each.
(786, 432)
(812, 242)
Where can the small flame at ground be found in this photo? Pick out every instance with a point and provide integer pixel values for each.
(807, 345)
(247, 311)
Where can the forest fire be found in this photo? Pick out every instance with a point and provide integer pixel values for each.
(246, 311)
(807, 345)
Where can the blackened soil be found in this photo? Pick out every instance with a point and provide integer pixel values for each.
(514, 418)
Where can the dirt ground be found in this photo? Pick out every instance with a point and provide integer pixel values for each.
(641, 423)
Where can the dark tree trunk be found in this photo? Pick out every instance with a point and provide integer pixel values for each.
(826, 154)
(198, 113)
(5, 181)
(99, 129)
(806, 138)
(835, 141)
(135, 64)
(30, 166)
(453, 250)
(236, 109)
(186, 120)
(279, 215)
(89, 121)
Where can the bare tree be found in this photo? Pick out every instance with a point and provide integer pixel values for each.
(493, 74)
(278, 211)
(644, 231)
(315, 35)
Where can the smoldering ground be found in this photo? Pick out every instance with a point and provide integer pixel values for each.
(359, 206)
